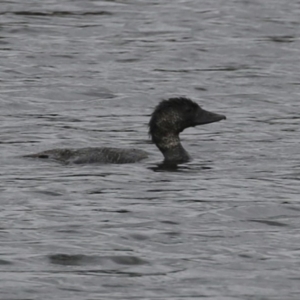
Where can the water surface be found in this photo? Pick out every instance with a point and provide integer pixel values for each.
(89, 73)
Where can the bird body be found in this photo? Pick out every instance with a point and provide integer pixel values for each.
(169, 118)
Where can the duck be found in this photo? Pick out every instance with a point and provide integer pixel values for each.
(169, 118)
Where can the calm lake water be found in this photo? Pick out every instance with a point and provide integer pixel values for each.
(79, 73)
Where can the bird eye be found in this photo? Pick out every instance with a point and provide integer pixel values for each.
(189, 109)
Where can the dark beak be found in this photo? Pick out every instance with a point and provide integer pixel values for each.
(206, 117)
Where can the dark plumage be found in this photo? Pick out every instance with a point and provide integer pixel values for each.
(173, 113)
(170, 117)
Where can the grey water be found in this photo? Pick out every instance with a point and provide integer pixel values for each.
(80, 73)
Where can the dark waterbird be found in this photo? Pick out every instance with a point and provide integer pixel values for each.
(170, 117)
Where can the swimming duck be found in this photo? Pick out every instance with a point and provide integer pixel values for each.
(169, 118)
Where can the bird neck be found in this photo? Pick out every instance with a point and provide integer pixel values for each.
(171, 148)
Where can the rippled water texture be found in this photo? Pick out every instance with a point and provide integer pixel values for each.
(88, 73)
